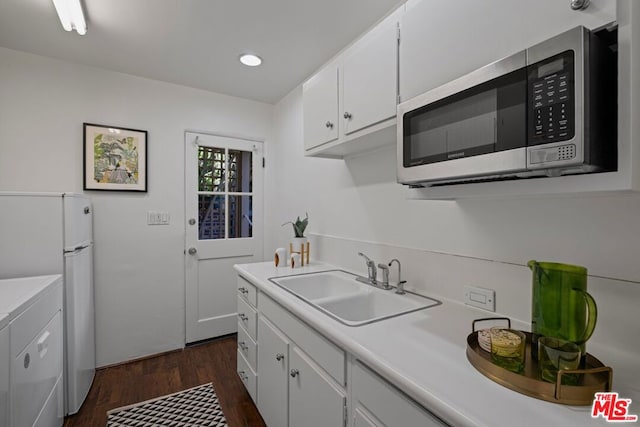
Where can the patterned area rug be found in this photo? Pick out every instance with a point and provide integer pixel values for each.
(195, 407)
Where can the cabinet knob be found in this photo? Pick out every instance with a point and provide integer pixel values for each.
(579, 4)
(243, 317)
(294, 373)
(243, 376)
(347, 115)
(243, 346)
(329, 125)
(243, 290)
(279, 356)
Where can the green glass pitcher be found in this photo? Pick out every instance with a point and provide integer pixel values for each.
(561, 305)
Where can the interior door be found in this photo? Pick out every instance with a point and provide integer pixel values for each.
(223, 207)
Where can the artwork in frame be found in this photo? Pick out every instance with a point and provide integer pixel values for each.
(115, 158)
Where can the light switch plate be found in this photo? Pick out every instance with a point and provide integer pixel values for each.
(158, 218)
(480, 297)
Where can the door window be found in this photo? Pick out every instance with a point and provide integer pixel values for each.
(225, 193)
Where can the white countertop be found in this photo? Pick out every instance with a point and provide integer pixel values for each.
(17, 294)
(424, 354)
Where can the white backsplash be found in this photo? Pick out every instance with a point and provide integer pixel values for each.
(440, 275)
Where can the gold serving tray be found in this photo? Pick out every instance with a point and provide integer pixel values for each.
(595, 377)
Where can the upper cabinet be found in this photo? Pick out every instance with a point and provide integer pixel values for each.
(443, 39)
(350, 105)
(320, 103)
(370, 79)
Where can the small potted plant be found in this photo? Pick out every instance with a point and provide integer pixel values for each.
(299, 225)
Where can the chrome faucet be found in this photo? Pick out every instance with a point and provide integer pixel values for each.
(400, 286)
(371, 267)
(385, 276)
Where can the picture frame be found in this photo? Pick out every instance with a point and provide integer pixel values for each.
(115, 158)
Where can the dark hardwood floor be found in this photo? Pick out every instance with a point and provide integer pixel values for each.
(213, 362)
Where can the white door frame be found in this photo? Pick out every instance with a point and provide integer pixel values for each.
(229, 250)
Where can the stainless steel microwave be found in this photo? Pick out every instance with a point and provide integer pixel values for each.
(548, 110)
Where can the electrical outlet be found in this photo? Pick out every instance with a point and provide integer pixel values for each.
(480, 297)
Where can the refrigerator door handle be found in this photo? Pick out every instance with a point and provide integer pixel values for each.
(76, 249)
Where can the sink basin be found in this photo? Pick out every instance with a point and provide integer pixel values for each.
(338, 294)
(320, 285)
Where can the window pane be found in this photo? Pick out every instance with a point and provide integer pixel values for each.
(240, 216)
(211, 217)
(211, 169)
(240, 171)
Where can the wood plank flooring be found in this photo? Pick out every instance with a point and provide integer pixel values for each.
(213, 361)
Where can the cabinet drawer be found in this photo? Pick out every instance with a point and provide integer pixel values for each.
(35, 372)
(247, 291)
(325, 353)
(247, 376)
(247, 318)
(25, 327)
(247, 346)
(389, 406)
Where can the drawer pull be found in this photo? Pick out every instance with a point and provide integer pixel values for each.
(243, 317)
(294, 373)
(43, 344)
(243, 346)
(279, 357)
(27, 361)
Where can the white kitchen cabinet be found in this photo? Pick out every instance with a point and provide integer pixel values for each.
(247, 334)
(366, 93)
(375, 402)
(295, 386)
(273, 360)
(443, 40)
(369, 78)
(314, 399)
(320, 105)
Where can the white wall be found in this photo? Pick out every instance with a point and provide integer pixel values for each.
(355, 205)
(139, 269)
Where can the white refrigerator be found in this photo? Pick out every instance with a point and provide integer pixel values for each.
(52, 233)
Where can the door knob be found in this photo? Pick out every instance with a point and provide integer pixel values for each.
(294, 373)
(192, 221)
(279, 356)
(192, 251)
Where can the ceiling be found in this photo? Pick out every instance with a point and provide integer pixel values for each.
(197, 43)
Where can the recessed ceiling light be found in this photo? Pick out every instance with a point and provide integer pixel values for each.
(250, 60)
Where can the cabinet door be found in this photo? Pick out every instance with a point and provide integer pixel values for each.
(273, 355)
(314, 400)
(370, 78)
(320, 104)
(442, 40)
(379, 400)
(362, 420)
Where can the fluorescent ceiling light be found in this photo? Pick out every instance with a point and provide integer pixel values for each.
(250, 60)
(71, 16)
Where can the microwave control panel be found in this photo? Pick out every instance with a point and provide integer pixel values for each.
(551, 100)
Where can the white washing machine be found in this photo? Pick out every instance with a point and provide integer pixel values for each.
(33, 309)
(4, 370)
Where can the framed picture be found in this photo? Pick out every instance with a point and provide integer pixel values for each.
(115, 158)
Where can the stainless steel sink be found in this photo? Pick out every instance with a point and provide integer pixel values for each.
(338, 294)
